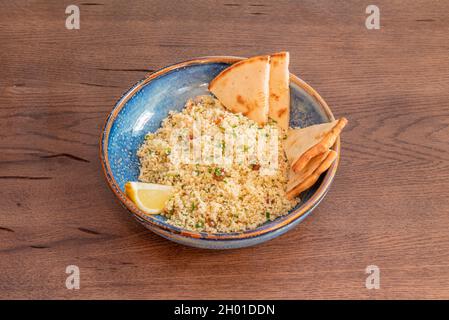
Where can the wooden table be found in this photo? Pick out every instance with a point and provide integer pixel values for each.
(388, 206)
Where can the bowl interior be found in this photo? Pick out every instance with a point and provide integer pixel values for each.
(146, 104)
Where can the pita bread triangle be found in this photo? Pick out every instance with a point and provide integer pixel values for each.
(302, 144)
(295, 178)
(243, 88)
(280, 89)
(311, 179)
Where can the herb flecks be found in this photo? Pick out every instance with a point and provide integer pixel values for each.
(219, 174)
(267, 215)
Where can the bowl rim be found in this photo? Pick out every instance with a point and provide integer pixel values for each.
(303, 209)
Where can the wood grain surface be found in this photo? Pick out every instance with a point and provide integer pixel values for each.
(388, 206)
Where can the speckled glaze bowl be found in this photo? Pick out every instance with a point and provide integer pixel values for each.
(142, 108)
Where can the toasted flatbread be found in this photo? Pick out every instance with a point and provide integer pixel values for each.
(310, 180)
(302, 144)
(295, 178)
(243, 87)
(279, 109)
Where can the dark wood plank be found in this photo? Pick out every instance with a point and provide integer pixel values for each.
(388, 206)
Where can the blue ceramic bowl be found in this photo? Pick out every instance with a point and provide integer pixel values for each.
(147, 103)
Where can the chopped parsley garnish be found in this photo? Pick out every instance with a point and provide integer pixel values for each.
(199, 224)
(219, 174)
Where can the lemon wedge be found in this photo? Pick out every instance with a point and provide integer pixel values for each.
(149, 197)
